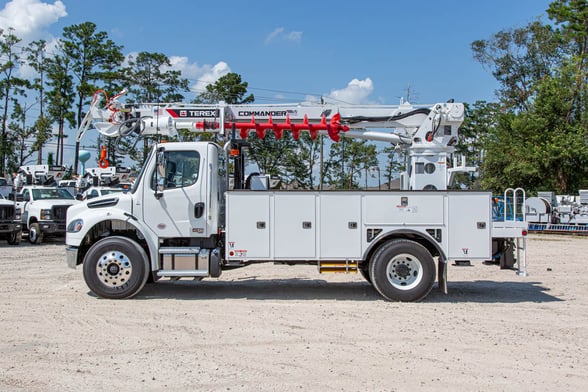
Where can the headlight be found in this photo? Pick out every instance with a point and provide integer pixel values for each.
(75, 225)
(45, 214)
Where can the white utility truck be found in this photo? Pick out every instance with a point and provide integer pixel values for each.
(180, 220)
(10, 221)
(43, 203)
(100, 181)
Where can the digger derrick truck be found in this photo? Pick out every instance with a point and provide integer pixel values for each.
(181, 220)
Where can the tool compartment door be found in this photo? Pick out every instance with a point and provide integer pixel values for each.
(248, 225)
(469, 226)
(341, 226)
(295, 226)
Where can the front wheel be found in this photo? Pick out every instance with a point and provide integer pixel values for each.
(116, 268)
(403, 270)
(35, 234)
(14, 238)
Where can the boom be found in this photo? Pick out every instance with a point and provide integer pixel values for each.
(428, 132)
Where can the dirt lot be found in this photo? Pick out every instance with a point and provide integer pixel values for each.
(280, 328)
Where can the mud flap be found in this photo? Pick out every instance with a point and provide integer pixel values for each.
(442, 276)
(507, 259)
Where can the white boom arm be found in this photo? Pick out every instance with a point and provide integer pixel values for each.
(428, 131)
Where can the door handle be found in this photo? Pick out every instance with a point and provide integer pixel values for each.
(198, 210)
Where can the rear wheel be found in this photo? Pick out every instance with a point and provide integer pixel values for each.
(35, 234)
(116, 268)
(403, 270)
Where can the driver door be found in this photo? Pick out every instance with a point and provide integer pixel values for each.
(178, 210)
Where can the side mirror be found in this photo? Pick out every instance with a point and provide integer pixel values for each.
(161, 165)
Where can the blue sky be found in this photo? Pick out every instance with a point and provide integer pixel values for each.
(356, 52)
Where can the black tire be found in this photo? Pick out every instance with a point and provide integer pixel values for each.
(35, 234)
(116, 268)
(14, 238)
(402, 270)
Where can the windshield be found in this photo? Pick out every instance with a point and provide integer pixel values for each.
(51, 193)
(142, 172)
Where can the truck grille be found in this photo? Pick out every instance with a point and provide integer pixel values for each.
(59, 213)
(7, 213)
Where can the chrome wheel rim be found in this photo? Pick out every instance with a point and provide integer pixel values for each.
(404, 271)
(114, 268)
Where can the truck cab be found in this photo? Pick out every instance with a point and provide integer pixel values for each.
(43, 203)
(175, 207)
(44, 211)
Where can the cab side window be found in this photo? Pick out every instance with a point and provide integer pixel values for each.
(181, 170)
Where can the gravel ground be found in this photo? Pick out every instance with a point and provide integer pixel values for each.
(282, 328)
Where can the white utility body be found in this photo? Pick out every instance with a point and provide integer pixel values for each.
(335, 226)
(180, 219)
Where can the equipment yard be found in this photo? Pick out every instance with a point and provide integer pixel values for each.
(289, 328)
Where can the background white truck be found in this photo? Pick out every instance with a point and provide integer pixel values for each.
(10, 221)
(43, 204)
(180, 220)
(100, 181)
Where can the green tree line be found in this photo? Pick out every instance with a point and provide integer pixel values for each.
(535, 135)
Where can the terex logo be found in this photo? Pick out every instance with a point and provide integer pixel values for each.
(193, 113)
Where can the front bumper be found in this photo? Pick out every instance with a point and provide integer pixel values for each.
(71, 256)
(52, 227)
(9, 227)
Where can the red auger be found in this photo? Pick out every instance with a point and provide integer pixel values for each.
(333, 127)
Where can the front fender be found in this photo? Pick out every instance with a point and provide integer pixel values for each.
(94, 220)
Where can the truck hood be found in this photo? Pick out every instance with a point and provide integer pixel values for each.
(121, 201)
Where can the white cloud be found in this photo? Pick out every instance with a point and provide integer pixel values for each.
(201, 76)
(30, 18)
(280, 34)
(294, 36)
(356, 92)
(271, 36)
